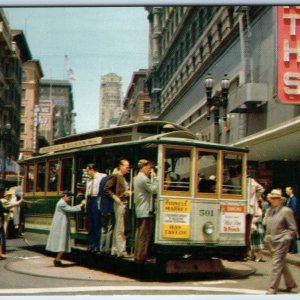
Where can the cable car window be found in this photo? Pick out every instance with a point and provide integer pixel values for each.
(66, 174)
(177, 166)
(207, 172)
(41, 177)
(30, 178)
(232, 173)
(53, 171)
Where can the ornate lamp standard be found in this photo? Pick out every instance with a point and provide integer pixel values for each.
(4, 135)
(217, 101)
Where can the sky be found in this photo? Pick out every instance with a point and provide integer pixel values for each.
(92, 41)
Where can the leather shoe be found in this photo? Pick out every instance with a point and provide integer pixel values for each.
(288, 289)
(270, 292)
(57, 263)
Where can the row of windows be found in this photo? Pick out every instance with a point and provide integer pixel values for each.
(51, 176)
(186, 43)
(196, 61)
(216, 173)
(178, 165)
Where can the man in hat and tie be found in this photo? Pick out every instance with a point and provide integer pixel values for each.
(59, 239)
(280, 231)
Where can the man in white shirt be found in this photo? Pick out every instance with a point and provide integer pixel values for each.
(93, 206)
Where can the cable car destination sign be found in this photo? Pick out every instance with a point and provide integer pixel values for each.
(71, 145)
(176, 218)
(288, 54)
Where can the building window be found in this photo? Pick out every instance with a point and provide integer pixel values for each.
(209, 14)
(22, 127)
(187, 68)
(187, 43)
(230, 16)
(168, 72)
(145, 86)
(220, 32)
(24, 77)
(201, 53)
(176, 58)
(193, 33)
(21, 144)
(23, 94)
(176, 17)
(23, 111)
(194, 63)
(200, 20)
(181, 51)
(146, 107)
(209, 41)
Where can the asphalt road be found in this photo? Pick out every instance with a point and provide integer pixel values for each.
(28, 272)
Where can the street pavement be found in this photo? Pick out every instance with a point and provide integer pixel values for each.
(291, 258)
(40, 264)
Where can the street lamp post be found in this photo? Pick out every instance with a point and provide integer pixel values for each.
(217, 101)
(4, 134)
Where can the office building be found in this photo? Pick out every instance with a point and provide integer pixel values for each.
(262, 109)
(110, 100)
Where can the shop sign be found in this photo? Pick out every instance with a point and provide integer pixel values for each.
(176, 219)
(288, 54)
(232, 219)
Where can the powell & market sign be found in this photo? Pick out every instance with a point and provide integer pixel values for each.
(288, 54)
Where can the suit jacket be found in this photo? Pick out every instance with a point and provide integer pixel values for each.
(281, 227)
(143, 190)
(106, 202)
(292, 203)
(116, 185)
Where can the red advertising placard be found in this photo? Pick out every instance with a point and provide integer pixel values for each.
(288, 54)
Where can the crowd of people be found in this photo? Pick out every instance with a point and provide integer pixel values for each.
(272, 220)
(11, 213)
(272, 224)
(106, 203)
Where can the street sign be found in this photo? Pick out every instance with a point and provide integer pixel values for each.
(288, 54)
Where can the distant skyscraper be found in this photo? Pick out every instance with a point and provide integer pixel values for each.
(110, 100)
(56, 109)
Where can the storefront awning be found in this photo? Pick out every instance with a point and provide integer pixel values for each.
(280, 142)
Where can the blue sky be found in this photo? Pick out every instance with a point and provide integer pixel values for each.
(97, 40)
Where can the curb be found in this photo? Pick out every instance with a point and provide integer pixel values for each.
(293, 259)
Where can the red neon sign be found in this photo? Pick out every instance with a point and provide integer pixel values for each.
(288, 54)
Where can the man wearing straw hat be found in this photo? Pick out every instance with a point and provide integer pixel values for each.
(280, 231)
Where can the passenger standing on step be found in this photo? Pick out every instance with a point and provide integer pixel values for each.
(93, 207)
(59, 239)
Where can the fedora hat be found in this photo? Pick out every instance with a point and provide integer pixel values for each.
(274, 194)
(68, 193)
(9, 192)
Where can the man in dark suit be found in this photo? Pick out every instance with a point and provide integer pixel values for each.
(281, 228)
(292, 203)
